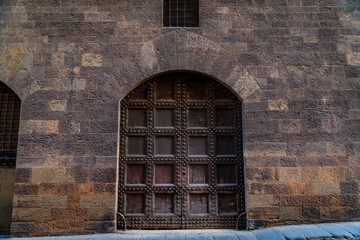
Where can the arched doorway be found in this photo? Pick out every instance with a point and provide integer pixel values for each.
(181, 157)
(9, 128)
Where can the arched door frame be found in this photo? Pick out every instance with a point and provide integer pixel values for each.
(120, 216)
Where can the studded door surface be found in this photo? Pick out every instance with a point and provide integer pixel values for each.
(181, 163)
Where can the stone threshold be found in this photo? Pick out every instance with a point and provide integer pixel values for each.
(326, 231)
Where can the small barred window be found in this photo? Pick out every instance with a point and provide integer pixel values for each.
(181, 13)
(9, 125)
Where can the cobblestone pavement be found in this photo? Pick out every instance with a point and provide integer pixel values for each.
(349, 230)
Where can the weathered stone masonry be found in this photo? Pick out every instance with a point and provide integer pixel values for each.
(294, 63)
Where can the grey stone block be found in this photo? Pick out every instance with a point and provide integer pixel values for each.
(224, 236)
(198, 237)
(268, 234)
(335, 231)
(290, 233)
(353, 228)
(312, 231)
(245, 235)
(177, 236)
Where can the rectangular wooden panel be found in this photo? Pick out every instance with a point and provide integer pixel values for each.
(197, 118)
(198, 174)
(225, 118)
(164, 203)
(135, 203)
(136, 118)
(164, 118)
(164, 174)
(199, 203)
(227, 203)
(135, 173)
(198, 146)
(136, 145)
(165, 90)
(226, 145)
(197, 91)
(226, 173)
(164, 145)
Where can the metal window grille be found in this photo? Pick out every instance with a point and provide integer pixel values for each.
(181, 13)
(9, 125)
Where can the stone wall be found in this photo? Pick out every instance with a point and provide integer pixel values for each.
(294, 63)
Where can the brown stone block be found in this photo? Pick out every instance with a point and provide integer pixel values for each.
(260, 174)
(290, 126)
(26, 189)
(48, 175)
(336, 149)
(276, 188)
(101, 226)
(262, 161)
(98, 200)
(77, 174)
(104, 188)
(103, 175)
(264, 213)
(102, 214)
(304, 200)
(265, 150)
(289, 174)
(322, 174)
(48, 188)
(327, 188)
(84, 188)
(23, 201)
(73, 201)
(30, 214)
(52, 126)
(289, 212)
(63, 213)
(22, 175)
(51, 201)
(66, 188)
(278, 105)
(261, 200)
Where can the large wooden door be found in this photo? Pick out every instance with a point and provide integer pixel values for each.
(181, 161)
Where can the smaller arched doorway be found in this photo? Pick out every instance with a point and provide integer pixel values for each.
(181, 157)
(9, 128)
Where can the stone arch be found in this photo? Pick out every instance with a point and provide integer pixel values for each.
(14, 62)
(181, 50)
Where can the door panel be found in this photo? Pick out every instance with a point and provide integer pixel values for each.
(181, 163)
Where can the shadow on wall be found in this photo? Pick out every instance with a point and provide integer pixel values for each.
(7, 177)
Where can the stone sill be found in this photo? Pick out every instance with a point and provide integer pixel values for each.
(348, 230)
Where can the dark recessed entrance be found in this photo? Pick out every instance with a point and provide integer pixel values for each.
(181, 160)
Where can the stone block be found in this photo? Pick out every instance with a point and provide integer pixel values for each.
(312, 231)
(278, 105)
(290, 233)
(289, 174)
(336, 149)
(261, 200)
(91, 60)
(289, 213)
(335, 231)
(103, 175)
(48, 175)
(31, 214)
(54, 201)
(268, 234)
(58, 105)
(327, 188)
(104, 201)
(32, 126)
(52, 126)
(290, 126)
(265, 150)
(27, 201)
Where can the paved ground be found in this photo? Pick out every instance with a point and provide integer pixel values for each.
(350, 230)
